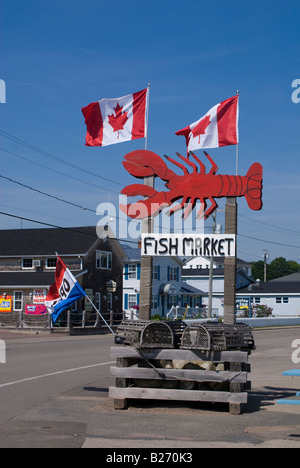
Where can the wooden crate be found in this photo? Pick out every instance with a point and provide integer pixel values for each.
(139, 375)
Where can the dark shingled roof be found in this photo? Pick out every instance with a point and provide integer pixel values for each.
(21, 278)
(272, 288)
(35, 242)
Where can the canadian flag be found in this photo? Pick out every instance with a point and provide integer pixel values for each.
(111, 121)
(218, 127)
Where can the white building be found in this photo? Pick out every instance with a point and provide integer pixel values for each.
(196, 274)
(281, 294)
(168, 290)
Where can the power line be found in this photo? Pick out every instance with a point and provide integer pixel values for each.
(54, 170)
(65, 228)
(46, 194)
(52, 156)
(263, 223)
(270, 242)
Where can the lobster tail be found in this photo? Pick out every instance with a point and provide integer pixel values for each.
(254, 187)
(144, 163)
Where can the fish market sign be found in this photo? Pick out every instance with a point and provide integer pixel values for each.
(189, 245)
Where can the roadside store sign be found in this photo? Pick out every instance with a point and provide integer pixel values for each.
(5, 304)
(35, 310)
(189, 245)
(39, 296)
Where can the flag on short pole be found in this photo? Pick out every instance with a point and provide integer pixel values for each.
(111, 121)
(217, 128)
(64, 292)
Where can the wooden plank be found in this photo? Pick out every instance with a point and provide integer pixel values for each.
(122, 383)
(177, 395)
(178, 374)
(182, 354)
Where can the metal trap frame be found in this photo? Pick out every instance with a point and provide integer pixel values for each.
(214, 336)
(146, 334)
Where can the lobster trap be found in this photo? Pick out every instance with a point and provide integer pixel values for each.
(217, 337)
(150, 334)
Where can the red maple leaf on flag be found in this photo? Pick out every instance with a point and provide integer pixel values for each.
(118, 120)
(200, 129)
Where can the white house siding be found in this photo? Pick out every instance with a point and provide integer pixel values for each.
(289, 305)
(166, 270)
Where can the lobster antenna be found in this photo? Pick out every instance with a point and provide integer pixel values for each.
(177, 164)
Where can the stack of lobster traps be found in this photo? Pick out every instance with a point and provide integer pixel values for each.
(203, 362)
(150, 334)
(213, 336)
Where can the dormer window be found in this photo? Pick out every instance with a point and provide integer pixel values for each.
(27, 263)
(51, 262)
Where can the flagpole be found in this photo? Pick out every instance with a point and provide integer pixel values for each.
(237, 147)
(147, 116)
(99, 313)
(146, 262)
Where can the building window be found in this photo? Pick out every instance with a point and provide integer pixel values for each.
(173, 274)
(98, 300)
(51, 262)
(156, 273)
(132, 300)
(27, 263)
(278, 300)
(172, 301)
(286, 300)
(103, 260)
(154, 302)
(18, 301)
(109, 301)
(257, 300)
(132, 271)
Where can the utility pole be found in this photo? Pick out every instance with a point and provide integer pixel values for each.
(265, 257)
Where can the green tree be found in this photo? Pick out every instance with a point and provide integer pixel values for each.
(258, 270)
(276, 269)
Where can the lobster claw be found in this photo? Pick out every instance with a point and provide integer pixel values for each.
(143, 208)
(144, 163)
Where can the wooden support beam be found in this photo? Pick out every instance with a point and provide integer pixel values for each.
(230, 264)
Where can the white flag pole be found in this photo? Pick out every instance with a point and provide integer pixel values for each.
(237, 146)
(147, 115)
(99, 313)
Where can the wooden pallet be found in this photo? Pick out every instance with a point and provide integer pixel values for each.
(136, 366)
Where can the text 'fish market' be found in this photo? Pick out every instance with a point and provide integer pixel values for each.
(183, 245)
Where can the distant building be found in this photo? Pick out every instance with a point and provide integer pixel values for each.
(27, 269)
(168, 290)
(281, 294)
(196, 274)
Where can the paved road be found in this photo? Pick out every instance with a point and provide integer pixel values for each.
(54, 393)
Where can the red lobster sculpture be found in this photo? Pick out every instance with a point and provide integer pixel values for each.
(190, 187)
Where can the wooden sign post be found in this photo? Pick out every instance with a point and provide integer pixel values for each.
(146, 266)
(230, 264)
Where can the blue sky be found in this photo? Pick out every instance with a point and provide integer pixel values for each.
(60, 55)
